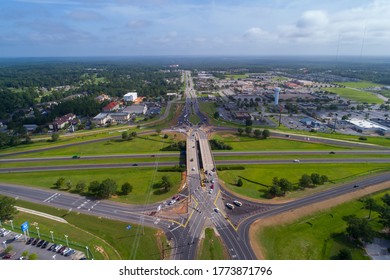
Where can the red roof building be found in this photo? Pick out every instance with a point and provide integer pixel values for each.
(111, 107)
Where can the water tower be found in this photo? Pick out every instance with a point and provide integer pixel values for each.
(276, 93)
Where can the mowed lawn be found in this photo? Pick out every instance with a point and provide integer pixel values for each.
(106, 238)
(315, 237)
(141, 144)
(142, 180)
(359, 85)
(245, 143)
(257, 178)
(211, 247)
(355, 95)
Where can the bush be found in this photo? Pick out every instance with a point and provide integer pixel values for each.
(239, 182)
(230, 167)
(363, 138)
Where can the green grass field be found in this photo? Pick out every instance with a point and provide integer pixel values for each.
(245, 143)
(319, 236)
(359, 85)
(141, 144)
(94, 232)
(257, 178)
(211, 247)
(355, 95)
(236, 76)
(141, 178)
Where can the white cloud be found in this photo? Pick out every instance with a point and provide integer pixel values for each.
(313, 19)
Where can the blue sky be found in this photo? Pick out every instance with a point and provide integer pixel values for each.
(30, 28)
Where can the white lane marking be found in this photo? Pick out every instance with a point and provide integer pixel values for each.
(90, 208)
(50, 197)
(156, 221)
(175, 228)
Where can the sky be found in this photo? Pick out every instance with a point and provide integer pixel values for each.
(52, 28)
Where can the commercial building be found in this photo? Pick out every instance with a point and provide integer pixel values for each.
(120, 117)
(368, 127)
(101, 119)
(136, 109)
(130, 96)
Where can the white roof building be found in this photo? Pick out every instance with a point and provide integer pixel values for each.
(130, 96)
(367, 126)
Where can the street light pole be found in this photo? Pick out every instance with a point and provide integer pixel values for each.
(52, 237)
(12, 224)
(39, 236)
(86, 247)
(66, 237)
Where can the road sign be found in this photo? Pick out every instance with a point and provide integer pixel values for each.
(24, 226)
(128, 227)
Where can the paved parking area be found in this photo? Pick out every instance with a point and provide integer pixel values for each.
(19, 246)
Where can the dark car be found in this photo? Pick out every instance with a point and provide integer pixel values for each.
(30, 240)
(356, 186)
(135, 164)
(40, 243)
(52, 247)
(44, 245)
(61, 249)
(71, 252)
(332, 153)
(75, 157)
(36, 240)
(7, 256)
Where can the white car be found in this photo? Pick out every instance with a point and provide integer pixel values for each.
(193, 168)
(238, 203)
(296, 160)
(5, 233)
(172, 202)
(216, 210)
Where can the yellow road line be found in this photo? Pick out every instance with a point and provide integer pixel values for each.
(191, 213)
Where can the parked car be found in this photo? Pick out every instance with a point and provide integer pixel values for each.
(62, 249)
(51, 248)
(57, 247)
(216, 210)
(36, 240)
(44, 245)
(40, 243)
(5, 233)
(70, 252)
(30, 240)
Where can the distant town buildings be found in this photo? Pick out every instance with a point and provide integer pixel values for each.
(112, 106)
(59, 123)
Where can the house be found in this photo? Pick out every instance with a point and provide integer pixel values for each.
(59, 123)
(120, 117)
(101, 119)
(112, 106)
(30, 127)
(102, 97)
(136, 109)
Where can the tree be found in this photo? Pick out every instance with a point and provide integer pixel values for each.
(266, 133)
(93, 187)
(305, 181)
(33, 256)
(8, 249)
(133, 134)
(7, 208)
(69, 184)
(165, 183)
(344, 254)
(81, 186)
(216, 115)
(55, 137)
(240, 131)
(126, 188)
(248, 130)
(59, 183)
(359, 229)
(257, 133)
(316, 179)
(386, 199)
(275, 190)
(107, 188)
(165, 136)
(248, 122)
(239, 182)
(285, 185)
(324, 178)
(125, 135)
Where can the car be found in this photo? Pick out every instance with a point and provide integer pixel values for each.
(172, 202)
(36, 240)
(40, 243)
(213, 169)
(7, 256)
(2, 230)
(5, 233)
(296, 160)
(332, 153)
(210, 191)
(212, 186)
(62, 249)
(356, 186)
(193, 168)
(212, 181)
(288, 136)
(75, 157)
(21, 258)
(44, 245)
(18, 236)
(238, 203)
(216, 210)
(57, 247)
(30, 240)
(191, 159)
(70, 252)
(230, 206)
(135, 164)
(51, 248)
(65, 251)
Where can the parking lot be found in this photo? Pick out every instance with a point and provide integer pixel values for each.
(19, 245)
